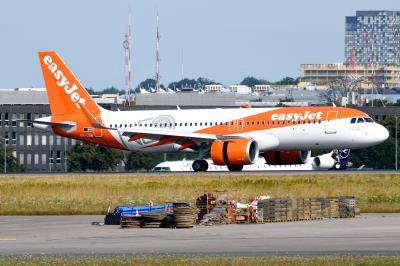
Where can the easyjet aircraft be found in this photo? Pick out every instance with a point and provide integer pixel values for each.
(232, 137)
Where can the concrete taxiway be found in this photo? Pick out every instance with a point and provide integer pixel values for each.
(371, 234)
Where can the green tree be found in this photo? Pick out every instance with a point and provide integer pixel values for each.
(252, 81)
(12, 162)
(142, 161)
(85, 156)
(287, 81)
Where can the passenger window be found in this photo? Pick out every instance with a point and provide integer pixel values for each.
(205, 123)
(185, 124)
(190, 124)
(116, 125)
(353, 120)
(247, 123)
(126, 125)
(201, 123)
(360, 120)
(195, 124)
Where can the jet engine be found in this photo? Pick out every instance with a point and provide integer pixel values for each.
(235, 152)
(324, 161)
(287, 157)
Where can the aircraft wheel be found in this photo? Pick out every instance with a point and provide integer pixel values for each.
(235, 168)
(337, 166)
(200, 165)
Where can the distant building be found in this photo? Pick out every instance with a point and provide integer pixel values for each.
(368, 76)
(373, 38)
(262, 88)
(35, 149)
(214, 88)
(240, 89)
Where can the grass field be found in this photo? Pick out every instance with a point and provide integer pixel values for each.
(90, 194)
(205, 261)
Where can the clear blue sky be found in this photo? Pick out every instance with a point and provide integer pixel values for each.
(224, 40)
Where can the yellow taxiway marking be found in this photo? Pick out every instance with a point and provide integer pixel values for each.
(8, 239)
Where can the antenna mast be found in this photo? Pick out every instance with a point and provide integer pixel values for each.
(127, 44)
(157, 76)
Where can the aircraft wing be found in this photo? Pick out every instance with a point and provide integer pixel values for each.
(167, 136)
(162, 133)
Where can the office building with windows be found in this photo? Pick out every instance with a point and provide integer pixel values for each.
(373, 38)
(35, 149)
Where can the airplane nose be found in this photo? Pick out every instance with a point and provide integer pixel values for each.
(382, 134)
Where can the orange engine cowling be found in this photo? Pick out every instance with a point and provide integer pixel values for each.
(234, 152)
(286, 157)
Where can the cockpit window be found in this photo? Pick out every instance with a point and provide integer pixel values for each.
(369, 120)
(353, 120)
(360, 120)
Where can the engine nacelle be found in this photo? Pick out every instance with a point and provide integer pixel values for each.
(234, 152)
(324, 162)
(286, 157)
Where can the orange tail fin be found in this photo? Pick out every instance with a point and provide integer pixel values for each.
(64, 90)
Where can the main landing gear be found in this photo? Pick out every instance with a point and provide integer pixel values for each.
(235, 168)
(200, 165)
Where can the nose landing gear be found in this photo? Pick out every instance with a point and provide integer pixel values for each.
(342, 159)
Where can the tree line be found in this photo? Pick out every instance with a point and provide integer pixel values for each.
(193, 83)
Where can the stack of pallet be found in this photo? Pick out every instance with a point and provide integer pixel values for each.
(330, 207)
(303, 209)
(273, 210)
(348, 207)
(278, 210)
(315, 208)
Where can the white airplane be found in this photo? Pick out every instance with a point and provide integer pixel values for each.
(323, 162)
(231, 137)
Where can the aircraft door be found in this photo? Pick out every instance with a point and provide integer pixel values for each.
(330, 127)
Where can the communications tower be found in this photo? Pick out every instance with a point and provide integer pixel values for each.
(158, 59)
(127, 44)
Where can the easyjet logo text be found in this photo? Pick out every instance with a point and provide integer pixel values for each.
(307, 115)
(63, 82)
